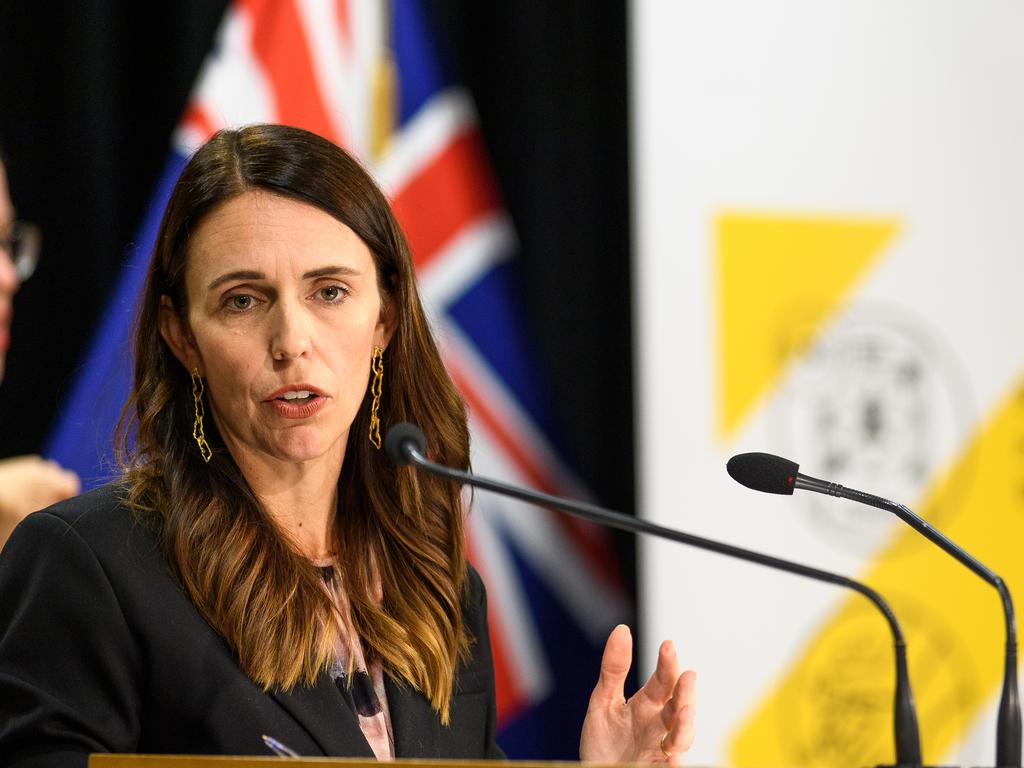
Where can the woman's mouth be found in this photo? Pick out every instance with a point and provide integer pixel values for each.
(297, 403)
(299, 398)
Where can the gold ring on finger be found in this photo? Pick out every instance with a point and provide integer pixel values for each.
(664, 751)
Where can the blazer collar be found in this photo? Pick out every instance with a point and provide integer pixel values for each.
(322, 711)
(415, 725)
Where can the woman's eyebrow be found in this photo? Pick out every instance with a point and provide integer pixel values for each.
(241, 274)
(249, 274)
(331, 272)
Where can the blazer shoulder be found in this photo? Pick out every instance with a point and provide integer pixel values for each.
(101, 519)
(102, 501)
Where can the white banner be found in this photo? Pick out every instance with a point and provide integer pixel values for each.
(829, 220)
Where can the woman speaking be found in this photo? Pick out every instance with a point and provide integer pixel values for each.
(261, 567)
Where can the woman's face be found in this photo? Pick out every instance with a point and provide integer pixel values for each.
(283, 315)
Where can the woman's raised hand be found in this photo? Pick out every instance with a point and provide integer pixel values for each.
(655, 725)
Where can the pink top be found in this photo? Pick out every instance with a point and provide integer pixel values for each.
(364, 688)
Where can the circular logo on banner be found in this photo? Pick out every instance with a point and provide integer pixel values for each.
(842, 707)
(875, 403)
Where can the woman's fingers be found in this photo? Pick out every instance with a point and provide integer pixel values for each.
(659, 686)
(679, 738)
(620, 731)
(684, 694)
(618, 654)
(678, 716)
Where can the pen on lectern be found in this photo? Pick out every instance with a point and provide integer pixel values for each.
(278, 748)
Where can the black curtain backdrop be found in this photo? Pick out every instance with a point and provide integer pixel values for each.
(90, 91)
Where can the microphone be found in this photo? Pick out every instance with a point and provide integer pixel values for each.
(404, 441)
(774, 474)
(406, 445)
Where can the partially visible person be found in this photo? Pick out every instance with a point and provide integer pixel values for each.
(27, 483)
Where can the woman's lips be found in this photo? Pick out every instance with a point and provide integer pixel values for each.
(297, 401)
(298, 408)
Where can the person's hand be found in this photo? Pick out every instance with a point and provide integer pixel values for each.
(28, 483)
(655, 725)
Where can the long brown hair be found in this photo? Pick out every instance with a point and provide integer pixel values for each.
(248, 582)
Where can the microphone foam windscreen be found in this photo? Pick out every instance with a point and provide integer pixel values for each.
(763, 472)
(401, 436)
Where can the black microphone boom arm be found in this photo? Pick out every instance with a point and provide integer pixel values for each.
(773, 474)
(405, 444)
(1008, 721)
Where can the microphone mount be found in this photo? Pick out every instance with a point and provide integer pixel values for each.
(406, 445)
(774, 474)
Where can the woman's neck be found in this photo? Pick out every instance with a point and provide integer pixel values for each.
(301, 498)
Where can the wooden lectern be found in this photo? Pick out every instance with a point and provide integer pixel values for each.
(220, 761)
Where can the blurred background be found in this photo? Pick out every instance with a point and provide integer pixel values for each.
(676, 231)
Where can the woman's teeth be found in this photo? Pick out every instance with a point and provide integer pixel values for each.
(302, 394)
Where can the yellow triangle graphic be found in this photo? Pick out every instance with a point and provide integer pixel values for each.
(833, 707)
(780, 278)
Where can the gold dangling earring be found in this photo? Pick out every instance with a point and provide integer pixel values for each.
(376, 387)
(197, 427)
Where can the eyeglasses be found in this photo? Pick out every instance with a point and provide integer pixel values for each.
(22, 244)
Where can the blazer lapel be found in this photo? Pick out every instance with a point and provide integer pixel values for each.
(322, 711)
(415, 726)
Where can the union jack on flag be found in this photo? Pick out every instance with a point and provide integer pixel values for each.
(364, 74)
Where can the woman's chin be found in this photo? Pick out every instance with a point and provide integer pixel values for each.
(302, 449)
(295, 445)
(307, 455)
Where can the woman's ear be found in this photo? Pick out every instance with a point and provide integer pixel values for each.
(175, 332)
(386, 323)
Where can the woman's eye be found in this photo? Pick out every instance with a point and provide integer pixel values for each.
(241, 301)
(332, 293)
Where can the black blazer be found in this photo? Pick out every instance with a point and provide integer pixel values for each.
(101, 651)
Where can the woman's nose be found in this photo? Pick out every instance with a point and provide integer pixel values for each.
(290, 338)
